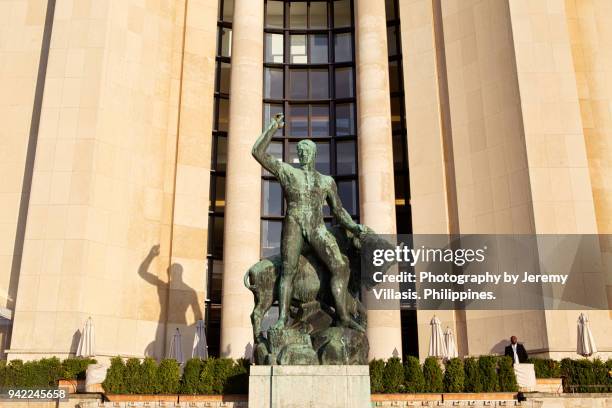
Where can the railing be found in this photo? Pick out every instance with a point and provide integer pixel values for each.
(594, 387)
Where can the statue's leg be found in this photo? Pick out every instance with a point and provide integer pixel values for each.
(326, 248)
(291, 248)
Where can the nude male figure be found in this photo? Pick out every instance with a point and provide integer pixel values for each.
(306, 191)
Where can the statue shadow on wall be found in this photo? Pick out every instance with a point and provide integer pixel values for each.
(171, 310)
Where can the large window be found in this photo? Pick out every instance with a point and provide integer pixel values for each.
(309, 75)
(216, 205)
(403, 215)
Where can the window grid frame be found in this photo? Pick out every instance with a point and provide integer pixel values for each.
(212, 301)
(332, 138)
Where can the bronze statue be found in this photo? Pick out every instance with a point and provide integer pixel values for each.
(306, 191)
(316, 279)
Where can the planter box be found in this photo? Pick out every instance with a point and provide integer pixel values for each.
(551, 385)
(406, 397)
(94, 388)
(479, 396)
(141, 398)
(73, 386)
(213, 398)
(434, 397)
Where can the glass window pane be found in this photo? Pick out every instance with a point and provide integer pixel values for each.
(298, 49)
(298, 84)
(219, 193)
(390, 9)
(226, 42)
(319, 120)
(221, 153)
(270, 237)
(274, 48)
(272, 198)
(318, 48)
(322, 159)
(401, 189)
(223, 120)
(345, 118)
(292, 157)
(273, 83)
(342, 13)
(216, 249)
(396, 114)
(344, 83)
(398, 153)
(343, 48)
(297, 15)
(345, 157)
(224, 80)
(318, 14)
(269, 111)
(403, 219)
(228, 10)
(394, 76)
(276, 150)
(274, 14)
(319, 87)
(298, 120)
(392, 41)
(347, 190)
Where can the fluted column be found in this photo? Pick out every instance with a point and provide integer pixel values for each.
(377, 193)
(243, 182)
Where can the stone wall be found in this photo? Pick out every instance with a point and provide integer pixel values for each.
(535, 400)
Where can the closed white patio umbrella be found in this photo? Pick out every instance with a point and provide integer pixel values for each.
(200, 347)
(586, 343)
(437, 347)
(87, 342)
(451, 344)
(176, 348)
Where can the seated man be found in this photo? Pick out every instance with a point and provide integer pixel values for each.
(516, 351)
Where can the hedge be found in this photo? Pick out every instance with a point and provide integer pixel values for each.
(507, 378)
(488, 373)
(413, 375)
(190, 383)
(75, 368)
(586, 375)
(393, 376)
(454, 376)
(433, 375)
(546, 367)
(458, 376)
(114, 383)
(168, 377)
(377, 367)
(226, 376)
(473, 375)
(45, 372)
(211, 376)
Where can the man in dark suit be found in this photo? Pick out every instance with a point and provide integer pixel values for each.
(516, 351)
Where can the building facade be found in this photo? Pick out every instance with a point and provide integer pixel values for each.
(129, 193)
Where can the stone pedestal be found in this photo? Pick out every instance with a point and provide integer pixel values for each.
(309, 386)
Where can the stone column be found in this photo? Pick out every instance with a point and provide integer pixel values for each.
(195, 75)
(243, 182)
(377, 193)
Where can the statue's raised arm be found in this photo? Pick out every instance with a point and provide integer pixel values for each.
(268, 161)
